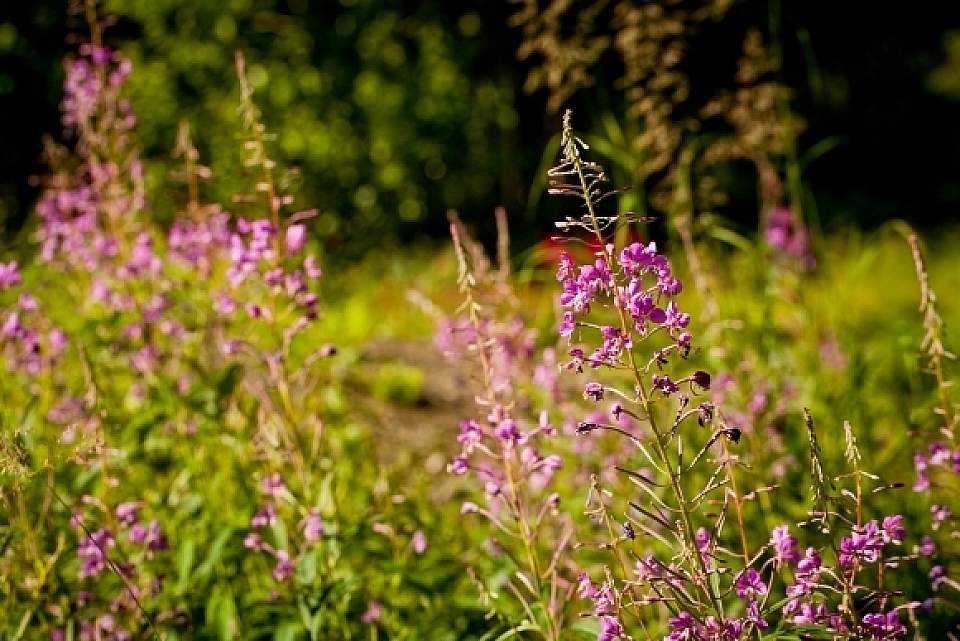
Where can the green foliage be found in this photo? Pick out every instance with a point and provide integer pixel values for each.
(386, 114)
(361, 436)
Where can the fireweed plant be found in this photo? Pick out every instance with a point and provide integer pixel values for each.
(93, 235)
(938, 465)
(672, 555)
(169, 465)
(507, 449)
(181, 455)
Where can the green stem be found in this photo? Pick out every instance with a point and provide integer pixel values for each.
(645, 404)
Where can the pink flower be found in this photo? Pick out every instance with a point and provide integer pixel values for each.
(313, 528)
(296, 238)
(373, 613)
(784, 545)
(254, 541)
(311, 267)
(284, 566)
(9, 275)
(273, 485)
(419, 542)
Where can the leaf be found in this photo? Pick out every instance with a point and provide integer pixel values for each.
(185, 564)
(730, 237)
(307, 568)
(821, 148)
(288, 631)
(222, 614)
(228, 381)
(214, 554)
(715, 582)
(512, 632)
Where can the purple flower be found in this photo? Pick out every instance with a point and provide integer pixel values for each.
(684, 627)
(284, 566)
(593, 391)
(940, 454)
(731, 629)
(810, 614)
(92, 552)
(372, 614)
(610, 628)
(470, 434)
(507, 431)
(671, 318)
(127, 513)
(753, 616)
(224, 305)
(701, 379)
(255, 542)
(273, 485)
(665, 384)
(313, 529)
(311, 267)
(893, 529)
(636, 258)
(884, 626)
(749, 584)
(608, 353)
(155, 539)
(703, 540)
(263, 517)
(705, 413)
(138, 533)
(296, 238)
(922, 483)
(937, 576)
(9, 275)
(419, 542)
(864, 543)
(809, 566)
(11, 326)
(940, 514)
(458, 466)
(786, 233)
(784, 545)
(58, 341)
(585, 587)
(580, 290)
(568, 323)
(100, 55)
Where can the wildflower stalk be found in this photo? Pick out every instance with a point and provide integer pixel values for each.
(933, 339)
(470, 303)
(506, 454)
(737, 501)
(572, 154)
(257, 146)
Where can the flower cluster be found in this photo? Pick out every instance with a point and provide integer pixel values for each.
(786, 233)
(116, 576)
(30, 342)
(938, 456)
(312, 527)
(644, 292)
(506, 451)
(710, 597)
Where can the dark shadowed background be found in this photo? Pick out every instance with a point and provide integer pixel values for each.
(395, 111)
